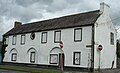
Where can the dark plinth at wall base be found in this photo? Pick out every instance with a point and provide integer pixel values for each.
(91, 69)
(29, 65)
(66, 68)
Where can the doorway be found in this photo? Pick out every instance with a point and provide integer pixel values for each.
(61, 60)
(57, 57)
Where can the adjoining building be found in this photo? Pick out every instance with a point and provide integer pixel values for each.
(1, 51)
(88, 41)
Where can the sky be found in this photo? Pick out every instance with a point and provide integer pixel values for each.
(27, 11)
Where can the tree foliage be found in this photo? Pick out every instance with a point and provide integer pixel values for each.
(118, 49)
(2, 50)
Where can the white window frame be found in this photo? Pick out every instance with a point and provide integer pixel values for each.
(6, 40)
(53, 58)
(57, 36)
(22, 39)
(32, 57)
(44, 37)
(14, 40)
(111, 38)
(77, 37)
(14, 57)
(76, 58)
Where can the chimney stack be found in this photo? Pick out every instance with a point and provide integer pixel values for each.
(17, 24)
(104, 7)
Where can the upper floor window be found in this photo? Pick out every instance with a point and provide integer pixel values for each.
(78, 34)
(6, 40)
(57, 36)
(112, 38)
(76, 58)
(14, 39)
(23, 39)
(44, 37)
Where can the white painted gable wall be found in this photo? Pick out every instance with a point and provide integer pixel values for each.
(103, 27)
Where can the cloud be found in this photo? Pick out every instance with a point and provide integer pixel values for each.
(5, 25)
(26, 3)
(10, 9)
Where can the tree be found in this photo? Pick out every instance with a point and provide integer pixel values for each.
(2, 50)
(118, 49)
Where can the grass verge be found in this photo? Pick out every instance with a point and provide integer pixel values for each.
(32, 70)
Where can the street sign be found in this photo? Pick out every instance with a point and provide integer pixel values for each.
(100, 47)
(61, 44)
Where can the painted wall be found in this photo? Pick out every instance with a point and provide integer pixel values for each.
(43, 50)
(103, 28)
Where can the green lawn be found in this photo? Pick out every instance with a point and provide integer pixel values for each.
(27, 69)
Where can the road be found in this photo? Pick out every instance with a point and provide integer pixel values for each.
(10, 71)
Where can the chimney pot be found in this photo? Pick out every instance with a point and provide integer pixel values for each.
(17, 24)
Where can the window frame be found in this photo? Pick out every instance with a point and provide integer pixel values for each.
(43, 37)
(12, 59)
(74, 58)
(75, 40)
(53, 55)
(31, 57)
(32, 36)
(14, 39)
(22, 43)
(6, 40)
(111, 38)
(55, 36)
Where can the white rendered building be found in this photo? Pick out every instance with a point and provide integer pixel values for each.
(81, 34)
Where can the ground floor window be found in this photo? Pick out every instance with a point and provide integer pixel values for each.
(76, 58)
(14, 57)
(32, 57)
(53, 58)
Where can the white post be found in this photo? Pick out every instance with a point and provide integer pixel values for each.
(61, 62)
(99, 60)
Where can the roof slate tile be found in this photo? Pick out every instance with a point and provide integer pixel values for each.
(75, 20)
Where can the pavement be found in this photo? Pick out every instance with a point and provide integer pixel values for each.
(100, 71)
(57, 70)
(11, 71)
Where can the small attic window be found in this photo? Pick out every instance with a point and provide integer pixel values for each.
(112, 38)
(32, 36)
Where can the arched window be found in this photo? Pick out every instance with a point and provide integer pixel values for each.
(32, 55)
(13, 54)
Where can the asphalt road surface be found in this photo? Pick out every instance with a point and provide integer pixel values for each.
(10, 71)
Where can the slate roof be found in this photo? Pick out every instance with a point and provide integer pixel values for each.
(76, 20)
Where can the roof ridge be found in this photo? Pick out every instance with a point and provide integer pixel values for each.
(68, 21)
(61, 17)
